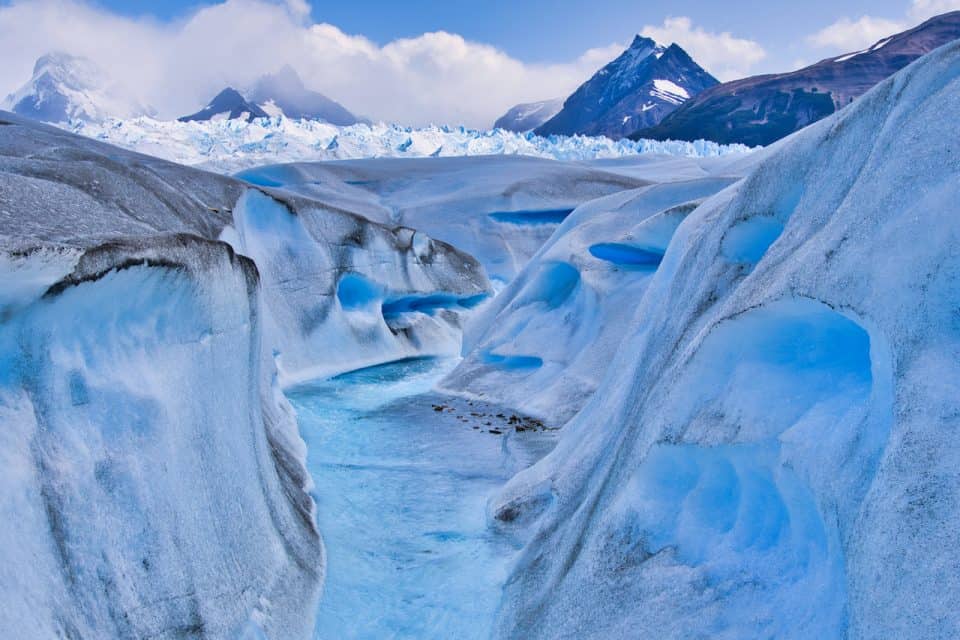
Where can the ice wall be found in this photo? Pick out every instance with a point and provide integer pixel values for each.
(546, 340)
(772, 451)
(342, 293)
(153, 474)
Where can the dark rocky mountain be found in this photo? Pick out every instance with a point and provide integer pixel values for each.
(637, 90)
(762, 109)
(284, 92)
(528, 116)
(228, 105)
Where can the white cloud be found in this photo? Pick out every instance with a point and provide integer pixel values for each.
(722, 54)
(923, 9)
(847, 35)
(851, 35)
(177, 67)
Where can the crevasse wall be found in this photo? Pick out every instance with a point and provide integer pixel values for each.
(154, 484)
(772, 451)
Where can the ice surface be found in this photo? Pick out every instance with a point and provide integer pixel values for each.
(570, 307)
(401, 492)
(152, 472)
(232, 145)
(771, 452)
(154, 477)
(499, 209)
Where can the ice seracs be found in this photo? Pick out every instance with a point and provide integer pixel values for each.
(771, 453)
(230, 145)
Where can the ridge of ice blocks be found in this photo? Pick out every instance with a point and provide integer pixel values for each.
(772, 451)
(232, 145)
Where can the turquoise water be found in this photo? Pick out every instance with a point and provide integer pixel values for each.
(401, 491)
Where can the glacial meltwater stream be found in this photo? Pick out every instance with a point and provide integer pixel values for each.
(402, 477)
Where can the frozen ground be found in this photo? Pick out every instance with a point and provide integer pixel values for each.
(232, 145)
(401, 491)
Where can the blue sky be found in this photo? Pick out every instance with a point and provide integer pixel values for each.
(557, 30)
(425, 61)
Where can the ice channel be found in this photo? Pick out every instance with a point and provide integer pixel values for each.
(402, 477)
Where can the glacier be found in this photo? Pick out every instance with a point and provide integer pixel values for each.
(499, 209)
(562, 388)
(155, 479)
(228, 146)
(770, 452)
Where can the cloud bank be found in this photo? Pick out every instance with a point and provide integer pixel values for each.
(847, 34)
(436, 77)
(725, 56)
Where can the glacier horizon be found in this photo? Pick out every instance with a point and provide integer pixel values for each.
(230, 145)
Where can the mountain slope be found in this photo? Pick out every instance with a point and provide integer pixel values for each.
(227, 105)
(638, 89)
(772, 452)
(762, 109)
(528, 116)
(283, 93)
(66, 88)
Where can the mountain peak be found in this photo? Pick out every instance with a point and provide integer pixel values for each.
(643, 42)
(642, 85)
(67, 87)
(284, 93)
(229, 104)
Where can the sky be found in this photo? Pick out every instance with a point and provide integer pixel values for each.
(419, 61)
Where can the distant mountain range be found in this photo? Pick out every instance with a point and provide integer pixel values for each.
(638, 89)
(281, 93)
(65, 87)
(528, 116)
(762, 109)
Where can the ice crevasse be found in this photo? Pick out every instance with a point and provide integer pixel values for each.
(772, 451)
(154, 479)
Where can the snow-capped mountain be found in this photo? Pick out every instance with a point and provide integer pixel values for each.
(66, 88)
(638, 89)
(275, 94)
(762, 109)
(283, 93)
(528, 116)
(229, 104)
